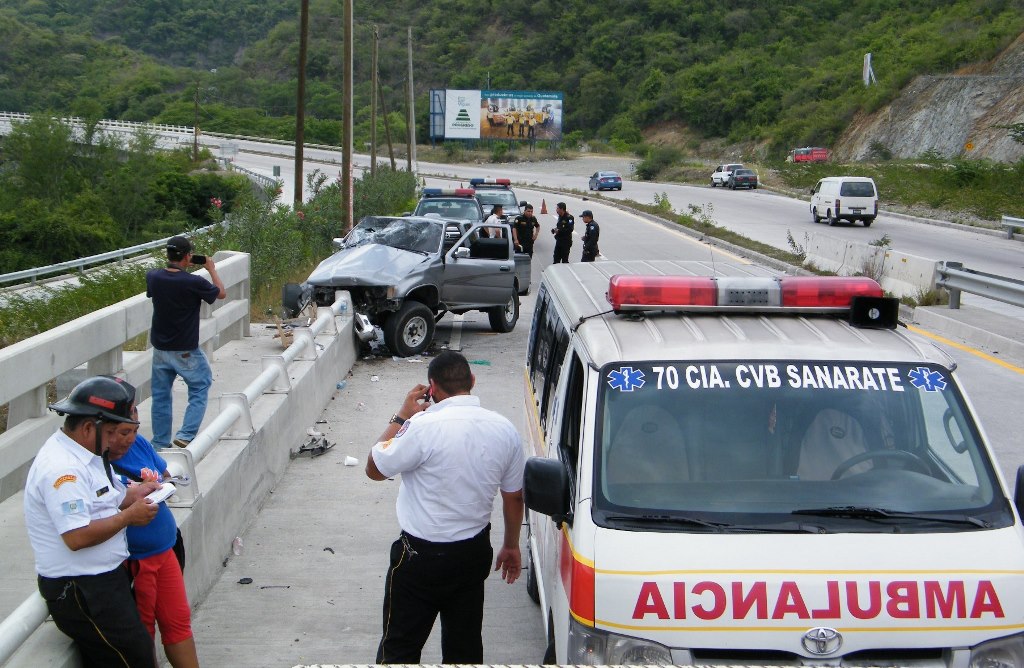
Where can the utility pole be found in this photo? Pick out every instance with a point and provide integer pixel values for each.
(195, 128)
(387, 130)
(346, 139)
(300, 104)
(411, 123)
(373, 107)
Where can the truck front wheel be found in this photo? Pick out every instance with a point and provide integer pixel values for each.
(503, 318)
(409, 330)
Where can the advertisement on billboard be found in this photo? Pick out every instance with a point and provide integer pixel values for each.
(521, 115)
(462, 114)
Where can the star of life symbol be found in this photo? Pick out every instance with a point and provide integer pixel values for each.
(925, 379)
(626, 379)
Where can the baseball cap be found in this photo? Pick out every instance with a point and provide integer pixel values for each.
(180, 245)
(588, 213)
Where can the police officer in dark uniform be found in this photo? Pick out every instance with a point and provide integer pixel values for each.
(563, 234)
(590, 236)
(525, 228)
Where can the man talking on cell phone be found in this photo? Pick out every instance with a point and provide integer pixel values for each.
(176, 296)
(454, 457)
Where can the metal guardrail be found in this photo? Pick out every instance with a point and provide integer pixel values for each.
(79, 265)
(954, 277)
(1011, 224)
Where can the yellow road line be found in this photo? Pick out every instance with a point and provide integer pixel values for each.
(967, 349)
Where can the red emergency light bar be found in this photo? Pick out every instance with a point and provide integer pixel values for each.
(448, 192)
(696, 293)
(490, 182)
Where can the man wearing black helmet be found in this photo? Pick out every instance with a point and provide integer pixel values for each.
(176, 296)
(76, 513)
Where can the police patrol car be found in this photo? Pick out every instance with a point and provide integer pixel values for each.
(496, 191)
(729, 467)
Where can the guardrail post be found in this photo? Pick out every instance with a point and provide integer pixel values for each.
(954, 293)
(305, 336)
(242, 427)
(283, 384)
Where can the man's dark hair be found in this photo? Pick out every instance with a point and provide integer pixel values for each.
(561, 205)
(450, 371)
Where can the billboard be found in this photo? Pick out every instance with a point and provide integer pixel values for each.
(462, 114)
(521, 115)
(510, 115)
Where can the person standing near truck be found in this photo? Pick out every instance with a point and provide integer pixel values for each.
(563, 234)
(525, 229)
(591, 233)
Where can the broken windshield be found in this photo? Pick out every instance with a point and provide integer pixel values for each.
(420, 236)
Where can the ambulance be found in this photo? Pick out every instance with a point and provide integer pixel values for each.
(731, 467)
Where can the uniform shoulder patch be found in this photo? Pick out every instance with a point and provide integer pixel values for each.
(63, 479)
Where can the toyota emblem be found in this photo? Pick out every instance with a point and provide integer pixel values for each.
(822, 640)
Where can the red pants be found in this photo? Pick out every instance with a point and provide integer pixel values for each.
(160, 597)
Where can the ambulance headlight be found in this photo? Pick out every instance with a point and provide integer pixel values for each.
(594, 647)
(1002, 653)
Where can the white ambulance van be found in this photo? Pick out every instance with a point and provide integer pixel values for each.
(850, 198)
(727, 467)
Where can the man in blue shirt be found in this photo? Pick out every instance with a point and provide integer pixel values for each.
(176, 296)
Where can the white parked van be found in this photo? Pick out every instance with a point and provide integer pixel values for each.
(733, 468)
(851, 198)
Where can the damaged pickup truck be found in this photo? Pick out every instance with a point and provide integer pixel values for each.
(404, 273)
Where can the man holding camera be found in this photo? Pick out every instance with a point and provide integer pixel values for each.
(176, 296)
(454, 457)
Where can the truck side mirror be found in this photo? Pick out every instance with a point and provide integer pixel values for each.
(462, 253)
(546, 488)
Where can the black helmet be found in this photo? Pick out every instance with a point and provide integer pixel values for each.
(105, 397)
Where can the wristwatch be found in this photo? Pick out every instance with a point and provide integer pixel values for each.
(395, 419)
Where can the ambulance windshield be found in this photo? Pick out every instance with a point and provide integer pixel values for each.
(741, 443)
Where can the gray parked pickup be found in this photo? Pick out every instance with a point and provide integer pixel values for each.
(404, 273)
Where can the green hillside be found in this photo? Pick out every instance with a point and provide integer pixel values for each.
(786, 72)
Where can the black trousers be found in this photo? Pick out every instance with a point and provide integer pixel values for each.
(589, 255)
(98, 612)
(561, 252)
(426, 579)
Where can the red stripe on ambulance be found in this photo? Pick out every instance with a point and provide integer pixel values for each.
(578, 580)
(898, 599)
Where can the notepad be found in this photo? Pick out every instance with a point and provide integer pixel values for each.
(166, 490)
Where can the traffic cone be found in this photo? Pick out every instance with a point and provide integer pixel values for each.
(543, 207)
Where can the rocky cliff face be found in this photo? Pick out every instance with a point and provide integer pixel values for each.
(955, 115)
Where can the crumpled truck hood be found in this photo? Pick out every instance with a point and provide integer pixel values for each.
(368, 264)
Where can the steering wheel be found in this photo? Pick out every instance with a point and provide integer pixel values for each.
(909, 458)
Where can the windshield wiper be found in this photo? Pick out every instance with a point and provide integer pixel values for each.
(412, 250)
(721, 527)
(873, 513)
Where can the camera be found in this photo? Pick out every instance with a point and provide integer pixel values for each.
(199, 259)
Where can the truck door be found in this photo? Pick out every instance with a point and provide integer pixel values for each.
(478, 271)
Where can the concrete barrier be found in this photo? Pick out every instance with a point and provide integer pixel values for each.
(900, 274)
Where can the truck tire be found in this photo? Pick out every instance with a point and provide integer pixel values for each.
(532, 585)
(832, 220)
(409, 330)
(868, 221)
(815, 216)
(503, 318)
(291, 296)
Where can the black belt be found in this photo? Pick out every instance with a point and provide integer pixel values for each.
(429, 545)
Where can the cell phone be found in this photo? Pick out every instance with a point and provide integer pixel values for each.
(198, 259)
(429, 395)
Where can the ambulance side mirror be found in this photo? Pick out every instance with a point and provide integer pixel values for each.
(546, 488)
(1018, 492)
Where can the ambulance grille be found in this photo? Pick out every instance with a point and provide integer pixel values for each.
(873, 657)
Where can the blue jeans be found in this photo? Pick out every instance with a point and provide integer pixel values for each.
(194, 369)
